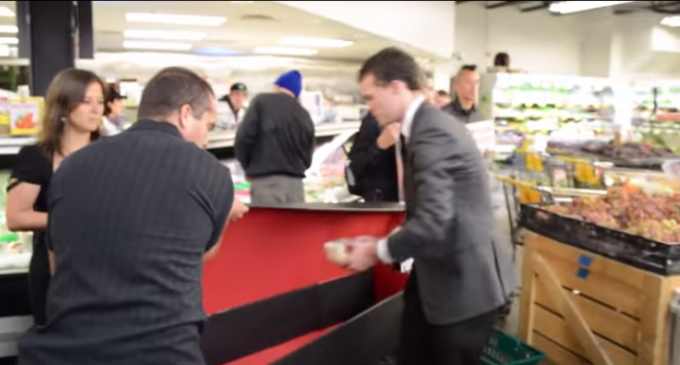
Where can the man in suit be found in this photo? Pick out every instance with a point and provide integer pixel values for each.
(461, 275)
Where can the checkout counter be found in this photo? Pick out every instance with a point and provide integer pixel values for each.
(273, 298)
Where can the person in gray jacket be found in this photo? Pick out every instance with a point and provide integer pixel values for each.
(466, 86)
(461, 275)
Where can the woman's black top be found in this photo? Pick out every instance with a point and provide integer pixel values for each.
(34, 166)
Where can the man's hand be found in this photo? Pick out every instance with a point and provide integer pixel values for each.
(362, 253)
(238, 210)
(389, 136)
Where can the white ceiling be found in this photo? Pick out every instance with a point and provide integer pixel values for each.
(249, 25)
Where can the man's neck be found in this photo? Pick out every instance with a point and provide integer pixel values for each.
(466, 104)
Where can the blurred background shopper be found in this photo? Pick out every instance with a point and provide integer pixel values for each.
(466, 86)
(275, 143)
(132, 219)
(113, 111)
(73, 112)
(236, 99)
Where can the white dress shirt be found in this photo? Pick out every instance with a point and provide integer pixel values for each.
(383, 250)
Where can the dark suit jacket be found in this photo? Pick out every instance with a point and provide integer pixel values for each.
(462, 270)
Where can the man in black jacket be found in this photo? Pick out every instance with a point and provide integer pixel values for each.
(373, 162)
(275, 143)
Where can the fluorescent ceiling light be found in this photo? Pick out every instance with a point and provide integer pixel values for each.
(9, 40)
(671, 21)
(164, 34)
(568, 7)
(165, 46)
(9, 29)
(6, 12)
(212, 21)
(315, 42)
(286, 51)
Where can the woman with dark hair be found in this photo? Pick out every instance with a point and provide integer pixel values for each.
(73, 112)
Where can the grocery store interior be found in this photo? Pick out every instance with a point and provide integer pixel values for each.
(579, 131)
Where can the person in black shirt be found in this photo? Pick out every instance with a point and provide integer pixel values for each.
(373, 162)
(73, 112)
(132, 219)
(238, 93)
(275, 143)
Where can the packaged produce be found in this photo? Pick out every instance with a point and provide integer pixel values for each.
(25, 115)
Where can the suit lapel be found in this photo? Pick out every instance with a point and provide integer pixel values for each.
(409, 188)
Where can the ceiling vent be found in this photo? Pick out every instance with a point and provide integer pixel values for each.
(258, 17)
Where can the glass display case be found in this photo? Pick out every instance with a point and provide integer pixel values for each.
(15, 249)
(325, 181)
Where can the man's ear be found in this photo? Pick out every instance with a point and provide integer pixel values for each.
(184, 113)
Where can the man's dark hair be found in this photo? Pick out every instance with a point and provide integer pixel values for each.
(442, 93)
(472, 68)
(172, 88)
(502, 59)
(393, 64)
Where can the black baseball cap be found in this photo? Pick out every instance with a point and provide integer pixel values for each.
(112, 94)
(238, 86)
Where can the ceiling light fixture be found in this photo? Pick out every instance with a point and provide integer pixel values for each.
(315, 42)
(159, 46)
(9, 40)
(9, 29)
(286, 51)
(671, 21)
(212, 21)
(568, 7)
(6, 12)
(164, 34)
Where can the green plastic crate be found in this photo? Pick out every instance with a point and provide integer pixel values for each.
(504, 349)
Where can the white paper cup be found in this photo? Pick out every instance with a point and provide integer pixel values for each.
(336, 252)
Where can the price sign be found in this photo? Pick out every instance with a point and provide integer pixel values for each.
(484, 134)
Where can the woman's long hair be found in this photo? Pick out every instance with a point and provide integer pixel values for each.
(64, 94)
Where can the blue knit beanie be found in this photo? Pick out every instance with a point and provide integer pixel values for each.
(291, 81)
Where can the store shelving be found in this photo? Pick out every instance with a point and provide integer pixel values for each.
(524, 104)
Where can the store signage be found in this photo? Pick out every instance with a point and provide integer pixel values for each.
(484, 134)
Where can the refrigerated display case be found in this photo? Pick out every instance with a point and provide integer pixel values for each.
(527, 105)
(325, 181)
(15, 248)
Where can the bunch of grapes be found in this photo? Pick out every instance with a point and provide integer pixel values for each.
(654, 216)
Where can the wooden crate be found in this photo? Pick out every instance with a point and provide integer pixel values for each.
(583, 308)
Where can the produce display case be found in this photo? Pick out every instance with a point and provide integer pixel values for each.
(635, 250)
(598, 275)
(523, 104)
(15, 249)
(582, 307)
